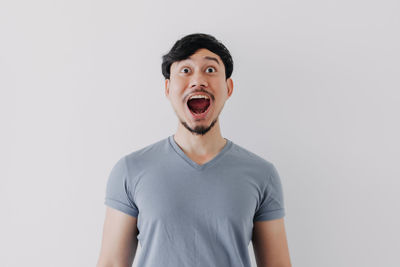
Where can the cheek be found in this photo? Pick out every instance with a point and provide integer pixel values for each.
(177, 86)
(178, 80)
(176, 98)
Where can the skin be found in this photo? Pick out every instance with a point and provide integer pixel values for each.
(270, 244)
(199, 74)
(119, 242)
(201, 140)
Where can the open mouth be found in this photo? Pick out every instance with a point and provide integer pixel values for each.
(198, 104)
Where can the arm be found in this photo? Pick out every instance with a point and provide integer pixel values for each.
(270, 244)
(119, 242)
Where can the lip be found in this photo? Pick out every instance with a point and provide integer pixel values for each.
(202, 115)
(198, 93)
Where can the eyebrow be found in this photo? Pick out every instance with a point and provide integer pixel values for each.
(209, 58)
(212, 58)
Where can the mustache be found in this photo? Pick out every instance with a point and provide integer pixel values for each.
(200, 90)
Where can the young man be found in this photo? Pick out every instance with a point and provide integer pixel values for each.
(195, 198)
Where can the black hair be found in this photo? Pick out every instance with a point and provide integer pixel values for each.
(189, 44)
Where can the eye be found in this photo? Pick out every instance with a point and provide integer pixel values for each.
(212, 68)
(185, 70)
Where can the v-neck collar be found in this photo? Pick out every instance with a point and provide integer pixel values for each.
(195, 165)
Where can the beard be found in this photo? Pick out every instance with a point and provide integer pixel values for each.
(199, 130)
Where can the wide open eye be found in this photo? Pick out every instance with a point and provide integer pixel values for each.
(185, 70)
(211, 68)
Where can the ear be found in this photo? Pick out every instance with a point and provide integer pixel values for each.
(166, 87)
(229, 86)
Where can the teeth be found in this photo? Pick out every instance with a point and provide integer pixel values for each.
(199, 96)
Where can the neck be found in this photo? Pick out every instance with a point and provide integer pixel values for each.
(205, 145)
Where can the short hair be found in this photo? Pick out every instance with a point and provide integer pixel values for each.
(189, 44)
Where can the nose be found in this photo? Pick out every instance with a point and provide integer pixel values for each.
(198, 79)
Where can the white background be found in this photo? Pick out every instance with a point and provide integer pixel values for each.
(316, 92)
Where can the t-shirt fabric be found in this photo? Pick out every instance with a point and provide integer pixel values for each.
(192, 215)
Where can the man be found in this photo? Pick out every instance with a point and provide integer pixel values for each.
(195, 198)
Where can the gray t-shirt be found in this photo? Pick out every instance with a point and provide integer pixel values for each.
(192, 215)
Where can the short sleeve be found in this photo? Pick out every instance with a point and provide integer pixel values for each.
(118, 193)
(272, 203)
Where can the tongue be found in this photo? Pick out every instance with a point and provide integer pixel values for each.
(198, 105)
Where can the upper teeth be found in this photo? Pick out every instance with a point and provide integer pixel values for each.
(199, 96)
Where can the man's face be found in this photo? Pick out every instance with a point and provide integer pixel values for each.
(203, 73)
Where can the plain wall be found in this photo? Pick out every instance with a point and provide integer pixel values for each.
(316, 92)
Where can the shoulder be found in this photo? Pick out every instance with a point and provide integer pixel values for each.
(142, 158)
(148, 152)
(248, 158)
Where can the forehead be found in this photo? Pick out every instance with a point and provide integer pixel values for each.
(201, 55)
